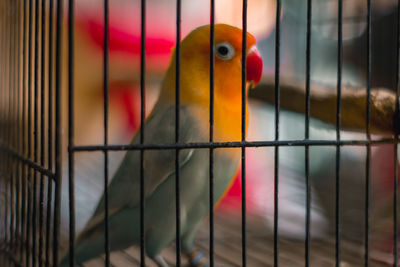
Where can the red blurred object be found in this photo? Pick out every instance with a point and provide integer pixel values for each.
(127, 97)
(383, 166)
(257, 179)
(383, 178)
(124, 41)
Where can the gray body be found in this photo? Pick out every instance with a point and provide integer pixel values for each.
(159, 176)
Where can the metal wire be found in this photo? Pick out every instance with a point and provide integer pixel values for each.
(177, 125)
(244, 109)
(142, 117)
(307, 134)
(3, 116)
(396, 166)
(211, 138)
(6, 131)
(71, 129)
(50, 131)
(42, 127)
(18, 203)
(26, 162)
(23, 126)
(368, 134)
(35, 132)
(276, 150)
(338, 123)
(105, 85)
(29, 135)
(3, 98)
(11, 116)
(23, 140)
(3, 85)
(190, 145)
(58, 163)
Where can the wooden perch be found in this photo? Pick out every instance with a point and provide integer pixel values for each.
(323, 104)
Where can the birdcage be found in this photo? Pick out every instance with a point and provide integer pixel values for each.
(317, 183)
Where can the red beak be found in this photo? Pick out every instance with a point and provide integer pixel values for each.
(254, 65)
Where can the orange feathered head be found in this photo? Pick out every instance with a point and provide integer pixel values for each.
(195, 65)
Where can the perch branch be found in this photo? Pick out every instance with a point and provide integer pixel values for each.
(323, 104)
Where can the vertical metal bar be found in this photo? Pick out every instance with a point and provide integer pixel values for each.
(3, 115)
(395, 191)
(17, 116)
(142, 116)
(49, 132)
(338, 117)
(35, 132)
(2, 66)
(58, 166)
(42, 124)
(10, 132)
(10, 171)
(177, 124)
(244, 109)
(396, 168)
(105, 85)
(2, 96)
(307, 134)
(2, 90)
(3, 72)
(6, 90)
(11, 116)
(23, 131)
(71, 163)
(16, 122)
(277, 107)
(368, 158)
(17, 235)
(14, 133)
(211, 138)
(3, 100)
(10, 138)
(29, 135)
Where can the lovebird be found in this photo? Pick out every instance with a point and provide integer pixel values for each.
(159, 165)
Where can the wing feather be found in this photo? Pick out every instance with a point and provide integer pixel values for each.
(124, 189)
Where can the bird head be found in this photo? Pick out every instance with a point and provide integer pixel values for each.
(195, 65)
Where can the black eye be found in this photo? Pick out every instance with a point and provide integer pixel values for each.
(225, 51)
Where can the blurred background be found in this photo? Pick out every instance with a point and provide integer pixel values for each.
(160, 34)
(124, 120)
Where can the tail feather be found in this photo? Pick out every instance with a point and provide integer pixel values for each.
(123, 232)
(89, 245)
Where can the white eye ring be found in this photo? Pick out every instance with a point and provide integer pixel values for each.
(224, 51)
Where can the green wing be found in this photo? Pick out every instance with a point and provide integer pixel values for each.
(124, 189)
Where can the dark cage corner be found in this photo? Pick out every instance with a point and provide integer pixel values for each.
(127, 138)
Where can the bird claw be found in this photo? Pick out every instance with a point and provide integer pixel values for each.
(197, 259)
(160, 261)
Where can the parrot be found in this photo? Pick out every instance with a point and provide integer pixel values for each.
(193, 163)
